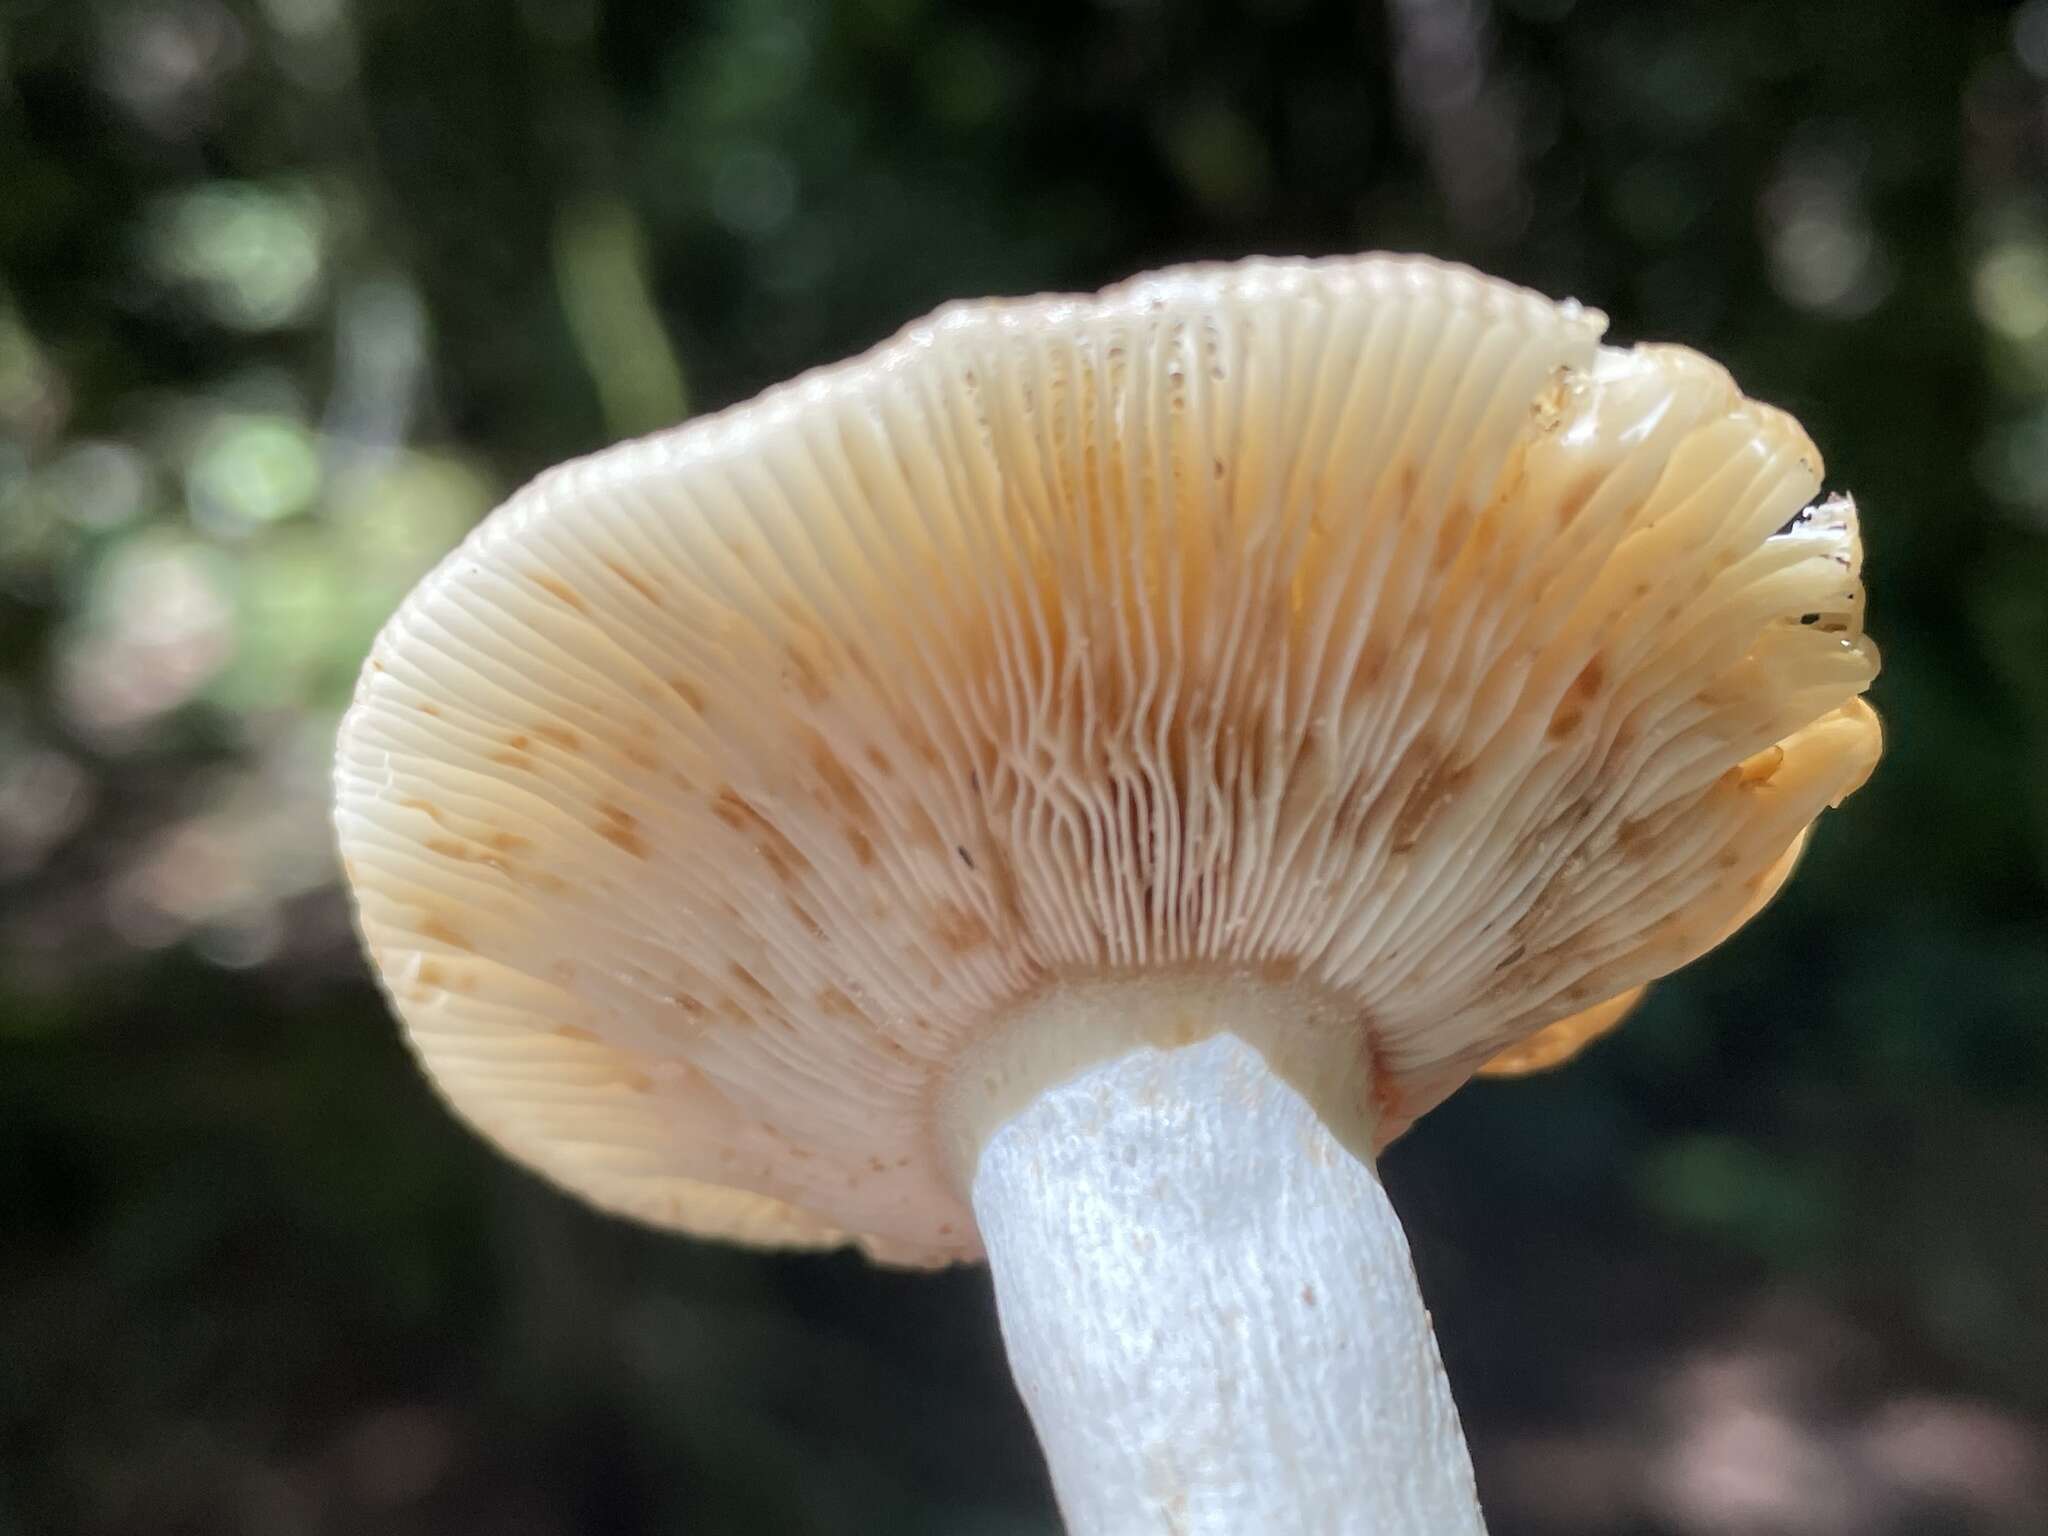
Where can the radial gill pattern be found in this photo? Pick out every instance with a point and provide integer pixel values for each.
(1360, 624)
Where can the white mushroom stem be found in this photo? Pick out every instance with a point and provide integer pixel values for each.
(1211, 1311)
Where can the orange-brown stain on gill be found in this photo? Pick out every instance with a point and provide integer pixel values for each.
(647, 590)
(1585, 688)
(465, 853)
(776, 850)
(835, 1004)
(621, 829)
(1578, 493)
(924, 831)
(432, 710)
(1451, 534)
(837, 779)
(959, 930)
(1435, 785)
(807, 675)
(560, 591)
(579, 1033)
(437, 928)
(426, 808)
(1367, 672)
(805, 920)
(556, 736)
(688, 692)
(515, 753)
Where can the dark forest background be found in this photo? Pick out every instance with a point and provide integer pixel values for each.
(291, 292)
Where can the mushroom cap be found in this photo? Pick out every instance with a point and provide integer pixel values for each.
(1361, 625)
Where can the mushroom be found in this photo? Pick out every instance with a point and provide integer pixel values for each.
(1076, 782)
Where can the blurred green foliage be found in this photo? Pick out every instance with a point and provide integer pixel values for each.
(292, 291)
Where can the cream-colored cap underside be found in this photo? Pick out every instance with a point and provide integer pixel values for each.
(1361, 624)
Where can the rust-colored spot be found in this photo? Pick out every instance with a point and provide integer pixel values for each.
(1368, 671)
(441, 931)
(751, 982)
(637, 1082)
(640, 756)
(688, 1005)
(1281, 968)
(835, 1004)
(429, 709)
(560, 591)
(958, 929)
(376, 665)
(732, 808)
(1440, 785)
(1450, 538)
(688, 692)
(945, 1229)
(805, 920)
(923, 830)
(639, 584)
(838, 781)
(1574, 500)
(508, 842)
(448, 848)
(619, 827)
(1571, 709)
(578, 1032)
(777, 851)
(432, 975)
(1408, 478)
(921, 744)
(1308, 1295)
(879, 761)
(863, 847)
(559, 736)
(804, 672)
(426, 808)
(517, 760)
